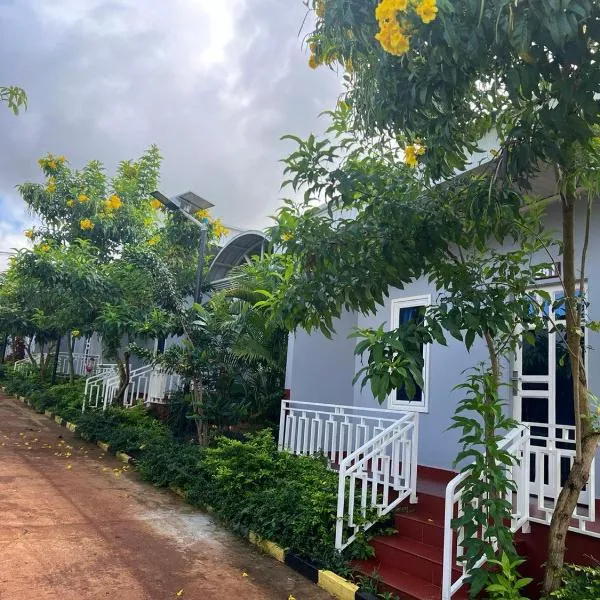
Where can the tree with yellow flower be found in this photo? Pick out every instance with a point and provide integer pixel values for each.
(449, 72)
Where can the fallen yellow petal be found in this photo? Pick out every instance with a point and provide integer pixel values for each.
(244, 574)
(290, 597)
(69, 466)
(179, 593)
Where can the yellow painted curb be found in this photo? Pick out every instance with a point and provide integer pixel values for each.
(103, 446)
(71, 427)
(336, 585)
(48, 413)
(271, 548)
(123, 457)
(58, 419)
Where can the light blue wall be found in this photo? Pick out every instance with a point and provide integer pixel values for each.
(322, 370)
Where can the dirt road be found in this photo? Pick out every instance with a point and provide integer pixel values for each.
(76, 525)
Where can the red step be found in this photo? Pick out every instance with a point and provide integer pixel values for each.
(406, 586)
(410, 562)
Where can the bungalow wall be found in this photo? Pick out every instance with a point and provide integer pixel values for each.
(321, 370)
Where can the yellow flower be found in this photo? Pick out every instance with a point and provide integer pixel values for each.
(51, 187)
(70, 203)
(410, 156)
(202, 214)
(153, 240)
(114, 202)
(219, 230)
(86, 224)
(75, 333)
(155, 204)
(45, 247)
(388, 9)
(82, 198)
(393, 39)
(28, 233)
(427, 10)
(287, 236)
(313, 63)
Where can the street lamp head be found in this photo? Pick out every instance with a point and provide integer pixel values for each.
(166, 202)
(192, 202)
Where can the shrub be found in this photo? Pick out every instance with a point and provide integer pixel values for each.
(129, 430)
(579, 583)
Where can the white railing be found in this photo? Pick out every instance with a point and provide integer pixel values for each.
(26, 362)
(93, 394)
(330, 429)
(516, 443)
(552, 452)
(375, 450)
(147, 384)
(84, 365)
(376, 478)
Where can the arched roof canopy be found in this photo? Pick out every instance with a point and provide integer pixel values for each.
(237, 251)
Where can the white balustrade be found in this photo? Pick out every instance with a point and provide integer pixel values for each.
(375, 450)
(552, 452)
(146, 385)
(376, 478)
(516, 443)
(84, 365)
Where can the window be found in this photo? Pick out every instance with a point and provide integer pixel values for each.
(405, 310)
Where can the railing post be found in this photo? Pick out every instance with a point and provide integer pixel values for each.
(414, 459)
(525, 481)
(282, 425)
(448, 543)
(339, 522)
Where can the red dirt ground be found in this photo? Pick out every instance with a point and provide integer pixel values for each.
(93, 531)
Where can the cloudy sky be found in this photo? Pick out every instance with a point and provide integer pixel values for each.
(214, 83)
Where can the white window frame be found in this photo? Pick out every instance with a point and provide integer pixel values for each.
(394, 404)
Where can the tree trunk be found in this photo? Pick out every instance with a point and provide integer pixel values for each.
(70, 354)
(586, 441)
(201, 426)
(124, 374)
(561, 519)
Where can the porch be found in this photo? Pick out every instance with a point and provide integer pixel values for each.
(375, 452)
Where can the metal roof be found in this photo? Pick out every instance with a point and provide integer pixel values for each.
(237, 251)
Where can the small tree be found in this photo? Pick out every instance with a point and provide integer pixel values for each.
(385, 227)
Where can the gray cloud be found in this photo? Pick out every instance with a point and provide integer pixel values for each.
(215, 88)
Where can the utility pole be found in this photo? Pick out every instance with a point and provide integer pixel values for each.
(201, 256)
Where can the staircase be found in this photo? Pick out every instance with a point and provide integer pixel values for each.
(409, 563)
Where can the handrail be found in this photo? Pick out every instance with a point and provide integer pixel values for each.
(385, 471)
(517, 443)
(341, 407)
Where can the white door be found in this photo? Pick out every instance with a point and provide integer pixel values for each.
(543, 400)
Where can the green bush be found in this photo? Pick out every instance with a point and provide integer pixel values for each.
(580, 583)
(129, 430)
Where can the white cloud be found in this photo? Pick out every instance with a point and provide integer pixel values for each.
(214, 84)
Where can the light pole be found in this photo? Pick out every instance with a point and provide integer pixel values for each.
(186, 203)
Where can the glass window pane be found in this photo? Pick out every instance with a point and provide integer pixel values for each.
(406, 315)
(535, 356)
(563, 385)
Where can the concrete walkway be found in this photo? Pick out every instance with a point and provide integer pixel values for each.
(75, 524)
